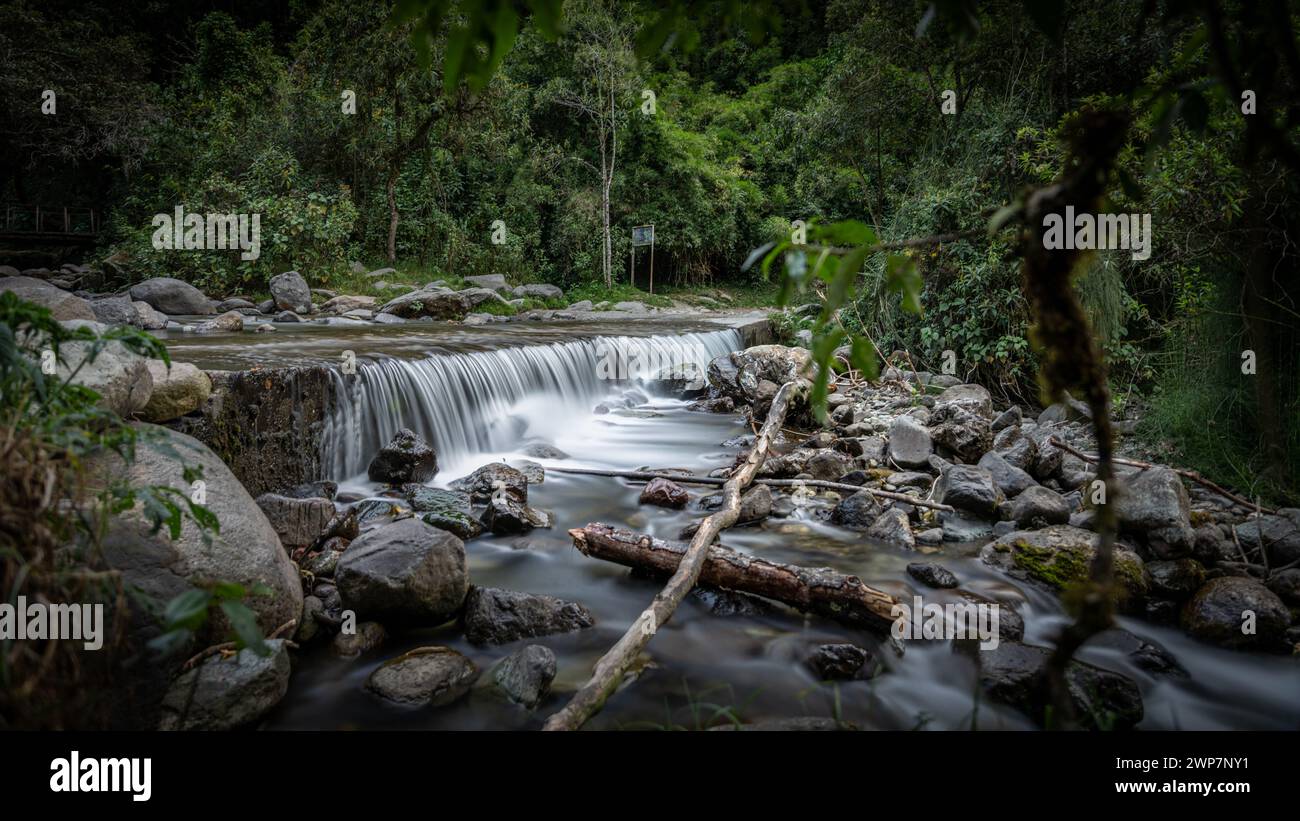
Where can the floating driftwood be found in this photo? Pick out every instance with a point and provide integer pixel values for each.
(612, 666)
(647, 475)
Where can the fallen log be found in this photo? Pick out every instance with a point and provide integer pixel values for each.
(647, 475)
(612, 666)
(1189, 474)
(818, 590)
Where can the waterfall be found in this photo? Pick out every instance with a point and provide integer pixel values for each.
(493, 401)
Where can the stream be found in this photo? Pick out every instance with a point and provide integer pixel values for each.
(483, 394)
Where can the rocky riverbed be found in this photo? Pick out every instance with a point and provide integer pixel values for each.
(430, 581)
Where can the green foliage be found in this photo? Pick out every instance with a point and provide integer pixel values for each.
(188, 613)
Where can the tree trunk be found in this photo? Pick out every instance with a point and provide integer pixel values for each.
(392, 217)
(817, 590)
(611, 667)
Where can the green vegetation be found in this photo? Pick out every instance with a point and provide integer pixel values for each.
(572, 122)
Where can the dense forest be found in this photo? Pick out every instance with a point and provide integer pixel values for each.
(323, 117)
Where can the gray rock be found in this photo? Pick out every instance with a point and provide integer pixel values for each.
(961, 430)
(525, 675)
(443, 305)
(229, 322)
(1286, 584)
(957, 527)
(477, 296)
(493, 282)
(223, 694)
(1008, 478)
(1060, 556)
(631, 307)
(495, 616)
(493, 477)
(828, 465)
(146, 318)
(177, 390)
(381, 272)
(286, 316)
(1154, 504)
(842, 662)
(424, 677)
(932, 575)
(1015, 674)
(910, 444)
(1220, 613)
(1069, 410)
(114, 310)
(290, 292)
(505, 515)
(234, 304)
(246, 551)
(369, 635)
(172, 296)
(1018, 450)
(344, 303)
(973, 398)
(407, 572)
(541, 291)
(406, 458)
(968, 487)
(1176, 579)
(1278, 534)
(1009, 417)
(298, 522)
(892, 527)
(1038, 506)
(664, 493)
(539, 450)
(445, 509)
(120, 376)
(858, 512)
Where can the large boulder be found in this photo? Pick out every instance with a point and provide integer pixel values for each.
(61, 304)
(1236, 612)
(968, 487)
(433, 304)
(424, 677)
(227, 693)
(1016, 674)
(290, 292)
(245, 551)
(1154, 504)
(177, 390)
(910, 444)
(406, 458)
(829, 465)
(172, 296)
(229, 322)
(1019, 450)
(407, 572)
(1060, 556)
(120, 376)
(495, 616)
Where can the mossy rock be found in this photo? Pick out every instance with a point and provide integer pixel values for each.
(1059, 558)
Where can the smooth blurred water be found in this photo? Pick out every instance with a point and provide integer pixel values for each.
(703, 668)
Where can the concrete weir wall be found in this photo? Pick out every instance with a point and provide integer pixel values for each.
(266, 423)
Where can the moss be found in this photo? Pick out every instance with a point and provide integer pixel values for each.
(1058, 568)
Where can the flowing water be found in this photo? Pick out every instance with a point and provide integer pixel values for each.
(481, 397)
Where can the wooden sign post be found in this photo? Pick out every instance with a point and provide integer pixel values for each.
(642, 235)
